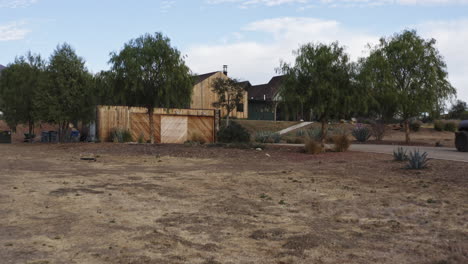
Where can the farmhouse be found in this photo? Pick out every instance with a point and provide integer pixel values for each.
(264, 100)
(203, 97)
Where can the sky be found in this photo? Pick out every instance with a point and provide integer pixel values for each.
(252, 37)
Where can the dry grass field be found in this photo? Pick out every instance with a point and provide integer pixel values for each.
(180, 204)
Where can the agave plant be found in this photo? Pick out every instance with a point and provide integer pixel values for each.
(400, 154)
(417, 160)
(267, 137)
(361, 133)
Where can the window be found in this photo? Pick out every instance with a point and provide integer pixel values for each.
(240, 108)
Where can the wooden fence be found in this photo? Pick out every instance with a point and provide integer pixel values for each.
(170, 125)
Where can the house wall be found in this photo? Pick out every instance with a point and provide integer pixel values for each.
(203, 97)
(259, 110)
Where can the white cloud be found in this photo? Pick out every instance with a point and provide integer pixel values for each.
(16, 3)
(256, 59)
(166, 5)
(247, 3)
(13, 31)
(390, 2)
(451, 37)
(305, 4)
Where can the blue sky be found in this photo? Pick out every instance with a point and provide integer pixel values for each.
(251, 36)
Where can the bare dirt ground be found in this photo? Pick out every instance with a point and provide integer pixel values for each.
(181, 204)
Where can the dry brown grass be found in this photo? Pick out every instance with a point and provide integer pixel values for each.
(341, 143)
(313, 147)
(180, 204)
(198, 138)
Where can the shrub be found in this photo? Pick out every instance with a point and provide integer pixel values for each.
(415, 125)
(450, 126)
(439, 125)
(417, 161)
(300, 133)
(121, 135)
(267, 137)
(313, 147)
(378, 130)
(314, 134)
(276, 137)
(197, 138)
(141, 139)
(298, 141)
(234, 133)
(400, 154)
(361, 133)
(341, 143)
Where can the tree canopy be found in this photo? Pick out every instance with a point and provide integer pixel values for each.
(19, 83)
(149, 72)
(230, 95)
(406, 73)
(321, 79)
(66, 94)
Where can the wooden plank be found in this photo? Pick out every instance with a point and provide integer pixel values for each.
(174, 129)
(200, 126)
(140, 126)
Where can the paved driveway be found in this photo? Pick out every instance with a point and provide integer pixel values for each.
(434, 153)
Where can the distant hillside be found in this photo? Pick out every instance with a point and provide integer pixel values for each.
(2, 67)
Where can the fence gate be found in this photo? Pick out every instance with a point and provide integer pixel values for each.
(170, 125)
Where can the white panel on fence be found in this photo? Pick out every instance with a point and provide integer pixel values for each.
(174, 129)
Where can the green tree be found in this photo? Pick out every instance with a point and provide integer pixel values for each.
(373, 77)
(150, 73)
(458, 109)
(67, 94)
(230, 95)
(412, 75)
(322, 80)
(19, 83)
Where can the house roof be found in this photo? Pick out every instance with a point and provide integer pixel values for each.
(266, 92)
(245, 84)
(202, 77)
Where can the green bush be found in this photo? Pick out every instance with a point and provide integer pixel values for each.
(119, 135)
(234, 133)
(267, 137)
(450, 126)
(415, 125)
(439, 125)
(361, 133)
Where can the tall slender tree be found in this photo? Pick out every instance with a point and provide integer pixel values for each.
(150, 73)
(19, 83)
(66, 94)
(230, 95)
(411, 74)
(321, 79)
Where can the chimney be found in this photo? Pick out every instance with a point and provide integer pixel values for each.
(225, 70)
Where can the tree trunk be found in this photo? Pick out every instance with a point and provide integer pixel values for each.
(227, 118)
(63, 129)
(407, 131)
(276, 109)
(31, 130)
(151, 123)
(324, 132)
